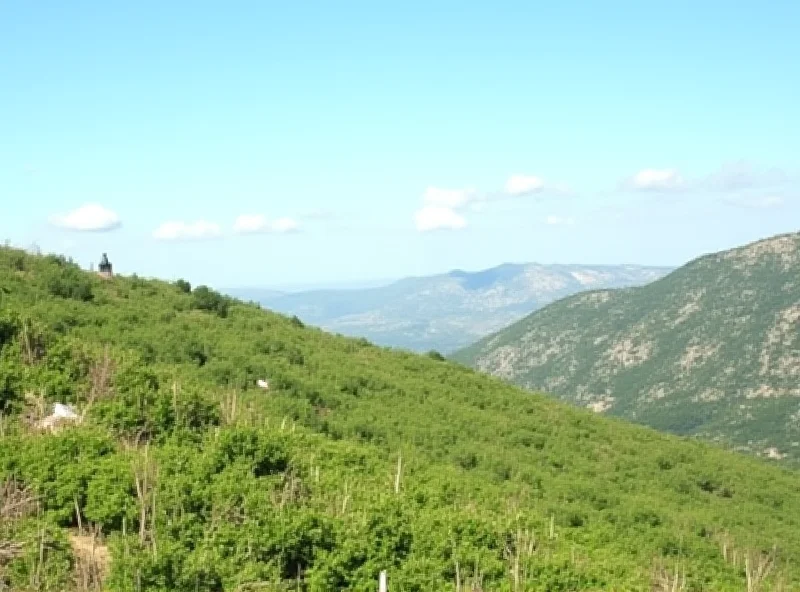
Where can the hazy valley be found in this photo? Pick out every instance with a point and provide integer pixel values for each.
(448, 311)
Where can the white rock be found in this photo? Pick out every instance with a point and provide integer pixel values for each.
(64, 411)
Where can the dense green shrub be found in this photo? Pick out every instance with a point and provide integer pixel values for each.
(204, 298)
(183, 286)
(68, 283)
(9, 326)
(17, 261)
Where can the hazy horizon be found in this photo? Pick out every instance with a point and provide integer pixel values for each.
(368, 283)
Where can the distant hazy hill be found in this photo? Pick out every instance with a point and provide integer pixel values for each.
(712, 349)
(448, 311)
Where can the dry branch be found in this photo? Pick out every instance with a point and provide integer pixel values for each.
(9, 551)
(16, 500)
(665, 580)
(92, 559)
(100, 378)
(757, 568)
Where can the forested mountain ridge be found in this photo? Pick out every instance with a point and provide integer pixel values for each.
(712, 349)
(354, 460)
(447, 311)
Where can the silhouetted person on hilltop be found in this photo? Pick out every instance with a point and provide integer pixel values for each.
(105, 269)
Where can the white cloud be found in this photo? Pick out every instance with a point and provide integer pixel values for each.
(740, 183)
(560, 220)
(656, 180)
(439, 217)
(199, 229)
(257, 223)
(90, 217)
(445, 208)
(524, 185)
(448, 198)
(441, 208)
(285, 225)
(250, 223)
(741, 175)
(761, 203)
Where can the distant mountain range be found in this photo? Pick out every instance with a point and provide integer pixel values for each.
(712, 349)
(448, 311)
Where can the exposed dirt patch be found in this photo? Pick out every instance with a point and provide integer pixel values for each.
(774, 453)
(782, 336)
(587, 278)
(654, 393)
(766, 391)
(539, 349)
(592, 298)
(709, 395)
(692, 306)
(696, 355)
(601, 405)
(500, 362)
(92, 560)
(628, 352)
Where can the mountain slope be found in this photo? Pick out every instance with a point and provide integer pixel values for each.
(356, 459)
(713, 349)
(448, 311)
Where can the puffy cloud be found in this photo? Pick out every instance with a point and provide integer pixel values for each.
(441, 209)
(444, 208)
(656, 180)
(439, 217)
(200, 229)
(257, 224)
(524, 185)
(560, 220)
(90, 217)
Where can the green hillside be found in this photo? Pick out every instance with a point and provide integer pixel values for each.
(712, 350)
(183, 475)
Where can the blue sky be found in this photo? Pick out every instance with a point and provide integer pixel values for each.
(265, 143)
